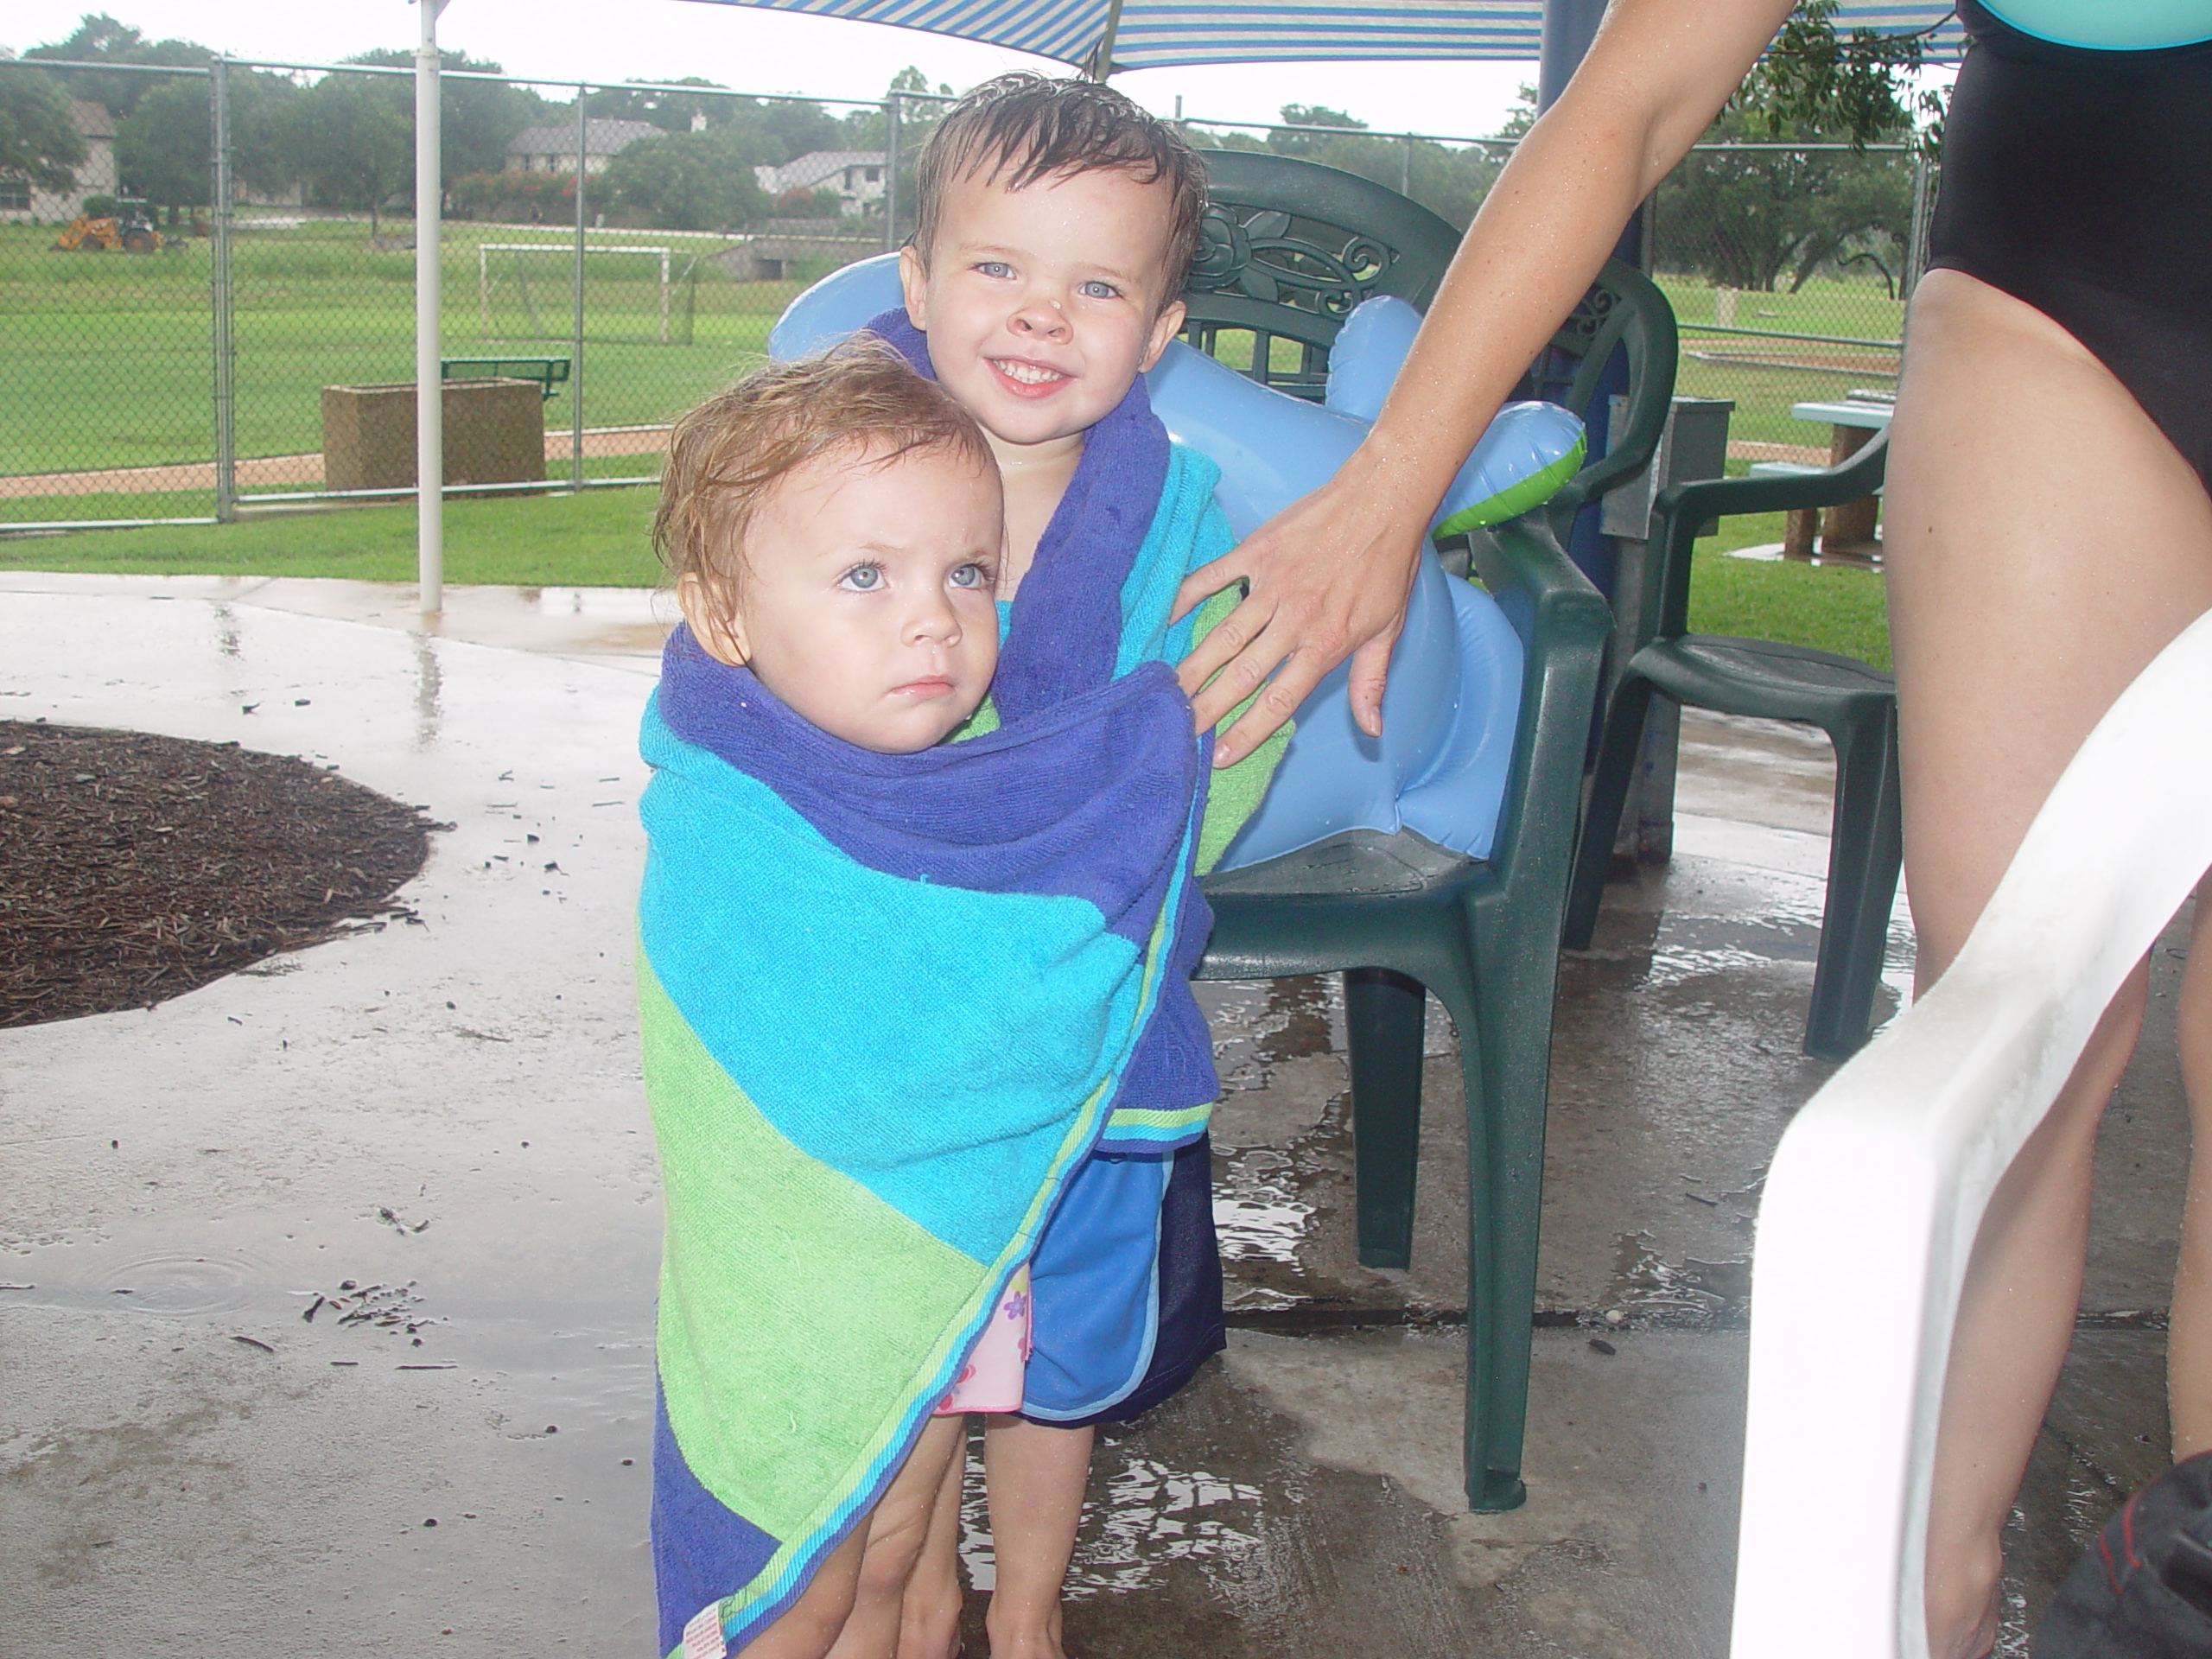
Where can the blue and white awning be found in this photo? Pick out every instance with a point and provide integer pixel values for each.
(1160, 33)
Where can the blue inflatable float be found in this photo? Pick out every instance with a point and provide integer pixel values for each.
(1440, 767)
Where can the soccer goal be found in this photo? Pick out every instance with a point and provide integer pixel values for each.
(531, 290)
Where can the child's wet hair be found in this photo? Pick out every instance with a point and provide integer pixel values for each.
(725, 455)
(1019, 128)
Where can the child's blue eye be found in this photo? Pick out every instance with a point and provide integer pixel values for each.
(1098, 290)
(863, 579)
(970, 575)
(994, 268)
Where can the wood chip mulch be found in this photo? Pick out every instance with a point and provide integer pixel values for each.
(134, 869)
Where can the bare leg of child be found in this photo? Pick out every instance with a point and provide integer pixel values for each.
(1036, 1474)
(850, 1608)
(928, 1617)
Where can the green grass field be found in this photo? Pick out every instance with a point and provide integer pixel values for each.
(107, 359)
(599, 538)
(105, 362)
(1857, 308)
(595, 539)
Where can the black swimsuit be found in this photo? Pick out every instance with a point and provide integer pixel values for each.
(2081, 182)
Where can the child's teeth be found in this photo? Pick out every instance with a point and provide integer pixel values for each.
(1028, 374)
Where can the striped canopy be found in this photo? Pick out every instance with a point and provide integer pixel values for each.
(1160, 34)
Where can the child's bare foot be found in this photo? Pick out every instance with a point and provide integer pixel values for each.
(1030, 1643)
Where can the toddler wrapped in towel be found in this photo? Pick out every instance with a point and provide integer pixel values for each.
(890, 985)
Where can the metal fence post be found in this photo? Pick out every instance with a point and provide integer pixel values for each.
(219, 286)
(576, 345)
(1916, 248)
(891, 172)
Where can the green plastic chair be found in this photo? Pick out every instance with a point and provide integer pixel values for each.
(1855, 704)
(1288, 249)
(1394, 913)
(1624, 309)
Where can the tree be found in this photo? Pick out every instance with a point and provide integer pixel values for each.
(475, 118)
(39, 140)
(162, 146)
(691, 180)
(1854, 88)
(1748, 218)
(1449, 180)
(1522, 115)
(912, 79)
(99, 38)
(672, 111)
(353, 149)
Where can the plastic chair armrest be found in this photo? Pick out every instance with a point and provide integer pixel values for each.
(1683, 510)
(1564, 623)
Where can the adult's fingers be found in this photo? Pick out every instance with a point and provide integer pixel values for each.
(1370, 670)
(1277, 702)
(1209, 579)
(1228, 638)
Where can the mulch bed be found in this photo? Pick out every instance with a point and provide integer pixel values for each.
(134, 869)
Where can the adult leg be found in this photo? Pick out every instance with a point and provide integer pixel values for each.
(2045, 540)
(929, 1614)
(1036, 1475)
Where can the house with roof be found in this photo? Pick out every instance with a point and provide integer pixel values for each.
(20, 199)
(857, 176)
(553, 149)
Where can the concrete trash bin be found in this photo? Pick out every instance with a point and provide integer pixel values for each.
(494, 434)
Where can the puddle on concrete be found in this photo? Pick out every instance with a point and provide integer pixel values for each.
(1691, 947)
(1258, 1211)
(1260, 1024)
(1649, 1292)
(1282, 1163)
(1143, 1519)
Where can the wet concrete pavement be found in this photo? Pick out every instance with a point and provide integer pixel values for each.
(439, 1125)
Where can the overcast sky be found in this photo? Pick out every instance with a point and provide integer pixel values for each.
(757, 51)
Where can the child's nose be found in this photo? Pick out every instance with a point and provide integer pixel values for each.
(1043, 316)
(932, 620)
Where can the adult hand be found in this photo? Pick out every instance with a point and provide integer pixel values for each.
(1329, 576)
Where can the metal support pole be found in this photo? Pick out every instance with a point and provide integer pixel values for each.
(429, 390)
(218, 285)
(576, 343)
(1102, 56)
(1405, 165)
(1569, 27)
(1916, 249)
(891, 172)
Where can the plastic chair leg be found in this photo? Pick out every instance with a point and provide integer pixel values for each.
(1601, 818)
(1504, 1065)
(1865, 849)
(1383, 1016)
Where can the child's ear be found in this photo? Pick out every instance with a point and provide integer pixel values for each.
(1165, 327)
(914, 282)
(716, 625)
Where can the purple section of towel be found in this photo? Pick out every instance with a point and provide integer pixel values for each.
(1089, 799)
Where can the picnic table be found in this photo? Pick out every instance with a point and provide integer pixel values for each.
(1849, 529)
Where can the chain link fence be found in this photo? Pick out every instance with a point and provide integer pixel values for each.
(202, 301)
(1788, 267)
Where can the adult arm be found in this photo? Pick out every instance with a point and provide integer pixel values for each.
(1330, 575)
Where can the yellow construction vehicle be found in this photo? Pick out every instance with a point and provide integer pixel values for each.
(127, 231)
